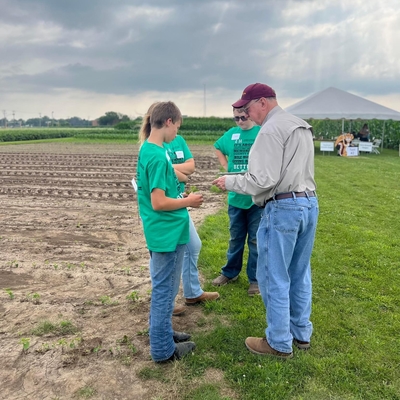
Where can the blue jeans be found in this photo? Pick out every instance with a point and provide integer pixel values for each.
(242, 223)
(190, 273)
(285, 241)
(165, 274)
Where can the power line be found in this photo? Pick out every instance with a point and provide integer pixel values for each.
(22, 112)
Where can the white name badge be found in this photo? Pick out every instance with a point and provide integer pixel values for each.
(235, 136)
(179, 154)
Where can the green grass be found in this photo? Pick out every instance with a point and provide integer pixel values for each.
(356, 296)
(118, 137)
(57, 328)
(86, 392)
(193, 132)
(62, 140)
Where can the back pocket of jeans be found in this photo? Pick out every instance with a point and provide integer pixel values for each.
(287, 219)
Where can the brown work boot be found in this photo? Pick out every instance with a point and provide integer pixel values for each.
(223, 280)
(253, 289)
(206, 296)
(178, 310)
(301, 345)
(261, 347)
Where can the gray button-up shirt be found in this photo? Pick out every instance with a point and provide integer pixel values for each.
(281, 159)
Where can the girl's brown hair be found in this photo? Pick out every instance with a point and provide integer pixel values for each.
(156, 116)
(145, 128)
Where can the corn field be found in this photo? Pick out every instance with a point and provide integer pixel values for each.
(206, 129)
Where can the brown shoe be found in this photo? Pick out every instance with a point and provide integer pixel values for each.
(223, 280)
(261, 347)
(178, 310)
(253, 289)
(301, 345)
(206, 296)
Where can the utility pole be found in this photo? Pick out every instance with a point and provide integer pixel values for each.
(40, 120)
(5, 120)
(52, 118)
(13, 113)
(205, 104)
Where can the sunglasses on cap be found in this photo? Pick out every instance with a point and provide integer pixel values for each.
(241, 118)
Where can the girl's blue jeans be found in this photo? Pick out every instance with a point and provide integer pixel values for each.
(165, 274)
(190, 273)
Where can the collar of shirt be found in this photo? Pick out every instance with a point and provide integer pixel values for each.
(271, 113)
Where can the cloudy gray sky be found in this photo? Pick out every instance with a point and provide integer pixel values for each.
(85, 57)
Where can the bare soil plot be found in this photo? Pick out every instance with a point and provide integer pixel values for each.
(72, 250)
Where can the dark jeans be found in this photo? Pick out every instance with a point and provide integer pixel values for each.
(242, 224)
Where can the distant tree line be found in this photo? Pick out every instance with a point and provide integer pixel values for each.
(45, 122)
(109, 119)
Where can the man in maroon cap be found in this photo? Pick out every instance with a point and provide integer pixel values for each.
(280, 179)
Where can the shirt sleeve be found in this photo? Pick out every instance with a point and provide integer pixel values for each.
(218, 144)
(265, 162)
(157, 174)
(221, 143)
(186, 151)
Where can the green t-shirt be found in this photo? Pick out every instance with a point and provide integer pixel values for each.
(178, 152)
(163, 230)
(235, 144)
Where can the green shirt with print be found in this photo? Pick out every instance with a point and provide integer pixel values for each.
(163, 230)
(178, 152)
(235, 144)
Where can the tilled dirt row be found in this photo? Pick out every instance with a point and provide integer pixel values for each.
(73, 255)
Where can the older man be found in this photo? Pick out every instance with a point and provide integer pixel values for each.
(280, 179)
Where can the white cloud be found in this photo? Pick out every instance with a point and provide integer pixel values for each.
(88, 54)
(38, 32)
(148, 14)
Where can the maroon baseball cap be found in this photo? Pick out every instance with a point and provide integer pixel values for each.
(253, 92)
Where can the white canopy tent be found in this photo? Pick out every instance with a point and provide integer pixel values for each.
(336, 104)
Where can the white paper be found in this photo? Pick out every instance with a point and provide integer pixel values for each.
(134, 184)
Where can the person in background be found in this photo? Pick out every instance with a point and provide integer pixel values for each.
(163, 211)
(232, 150)
(363, 135)
(280, 178)
(184, 165)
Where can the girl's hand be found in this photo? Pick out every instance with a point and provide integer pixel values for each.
(196, 200)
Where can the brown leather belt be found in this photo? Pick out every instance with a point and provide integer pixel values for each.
(291, 195)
